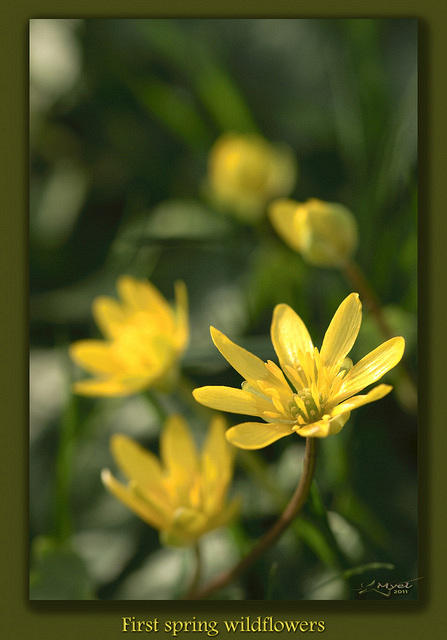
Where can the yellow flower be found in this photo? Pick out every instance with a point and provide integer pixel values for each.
(144, 340)
(246, 171)
(318, 391)
(325, 233)
(184, 496)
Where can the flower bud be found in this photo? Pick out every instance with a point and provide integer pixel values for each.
(246, 171)
(325, 233)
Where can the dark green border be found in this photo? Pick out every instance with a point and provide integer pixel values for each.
(95, 620)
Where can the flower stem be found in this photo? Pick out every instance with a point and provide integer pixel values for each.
(197, 573)
(357, 278)
(293, 507)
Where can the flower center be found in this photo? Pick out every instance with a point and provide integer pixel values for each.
(305, 406)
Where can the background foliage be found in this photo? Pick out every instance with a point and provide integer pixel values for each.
(123, 114)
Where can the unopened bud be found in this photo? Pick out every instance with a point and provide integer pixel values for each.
(325, 233)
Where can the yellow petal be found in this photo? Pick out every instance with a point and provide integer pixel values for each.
(181, 313)
(109, 316)
(178, 451)
(217, 465)
(342, 331)
(246, 364)
(256, 435)
(216, 447)
(95, 356)
(109, 387)
(377, 393)
(232, 400)
(327, 426)
(372, 367)
(142, 508)
(139, 465)
(141, 295)
(289, 336)
(282, 214)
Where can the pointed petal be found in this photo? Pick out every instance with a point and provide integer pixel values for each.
(178, 451)
(95, 356)
(256, 435)
(327, 426)
(217, 465)
(143, 509)
(342, 331)
(141, 295)
(109, 316)
(216, 447)
(232, 400)
(290, 336)
(110, 387)
(246, 364)
(377, 393)
(139, 465)
(372, 367)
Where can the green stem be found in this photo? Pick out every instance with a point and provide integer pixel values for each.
(269, 538)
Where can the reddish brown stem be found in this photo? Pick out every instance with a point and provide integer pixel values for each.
(289, 513)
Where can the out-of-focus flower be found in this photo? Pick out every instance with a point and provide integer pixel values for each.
(145, 338)
(245, 172)
(184, 495)
(325, 233)
(314, 392)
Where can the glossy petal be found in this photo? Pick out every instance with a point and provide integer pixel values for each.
(178, 450)
(139, 465)
(246, 364)
(327, 426)
(142, 508)
(109, 316)
(217, 465)
(377, 393)
(372, 367)
(216, 447)
(232, 400)
(289, 336)
(139, 295)
(342, 331)
(256, 435)
(95, 356)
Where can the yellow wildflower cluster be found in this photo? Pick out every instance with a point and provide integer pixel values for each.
(311, 393)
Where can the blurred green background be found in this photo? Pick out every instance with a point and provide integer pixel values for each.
(123, 114)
